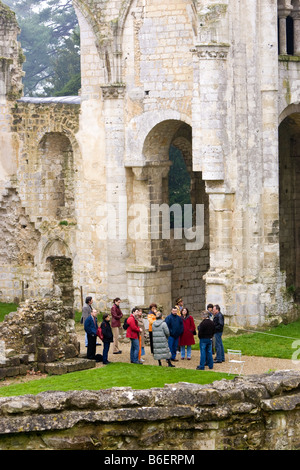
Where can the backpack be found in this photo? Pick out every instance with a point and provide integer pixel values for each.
(100, 333)
(125, 324)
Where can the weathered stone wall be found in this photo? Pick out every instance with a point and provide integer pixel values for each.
(254, 413)
(39, 199)
(11, 56)
(202, 76)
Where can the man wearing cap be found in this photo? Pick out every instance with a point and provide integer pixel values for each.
(179, 305)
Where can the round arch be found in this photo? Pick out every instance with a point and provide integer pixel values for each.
(289, 197)
(141, 130)
(288, 111)
(188, 266)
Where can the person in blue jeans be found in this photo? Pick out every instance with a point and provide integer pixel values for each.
(91, 327)
(133, 331)
(219, 326)
(206, 331)
(175, 325)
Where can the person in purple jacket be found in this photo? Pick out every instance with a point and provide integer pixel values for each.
(116, 315)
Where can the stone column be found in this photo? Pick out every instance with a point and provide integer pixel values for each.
(283, 12)
(116, 195)
(296, 17)
(269, 300)
(210, 110)
(10, 89)
(210, 150)
(219, 277)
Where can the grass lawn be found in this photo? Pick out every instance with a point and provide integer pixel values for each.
(275, 342)
(114, 375)
(279, 342)
(6, 308)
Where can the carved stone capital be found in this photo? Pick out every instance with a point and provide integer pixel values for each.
(111, 92)
(211, 51)
(152, 169)
(140, 172)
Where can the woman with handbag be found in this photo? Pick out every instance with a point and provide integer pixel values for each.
(187, 338)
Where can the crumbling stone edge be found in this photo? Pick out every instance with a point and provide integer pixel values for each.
(253, 412)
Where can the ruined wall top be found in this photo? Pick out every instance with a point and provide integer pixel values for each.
(11, 56)
(248, 413)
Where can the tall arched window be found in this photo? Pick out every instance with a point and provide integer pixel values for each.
(179, 181)
(290, 35)
(289, 27)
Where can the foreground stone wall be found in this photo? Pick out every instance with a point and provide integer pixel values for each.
(258, 412)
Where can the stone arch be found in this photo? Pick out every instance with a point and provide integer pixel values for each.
(289, 197)
(92, 22)
(187, 266)
(127, 4)
(55, 248)
(289, 110)
(141, 131)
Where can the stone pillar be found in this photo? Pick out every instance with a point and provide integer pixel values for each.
(116, 195)
(219, 277)
(296, 17)
(210, 147)
(10, 89)
(210, 110)
(284, 11)
(270, 301)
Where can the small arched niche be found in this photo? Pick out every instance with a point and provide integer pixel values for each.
(57, 172)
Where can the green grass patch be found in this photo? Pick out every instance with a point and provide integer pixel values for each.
(78, 314)
(276, 342)
(7, 308)
(138, 377)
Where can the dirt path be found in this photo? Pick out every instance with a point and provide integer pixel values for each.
(252, 365)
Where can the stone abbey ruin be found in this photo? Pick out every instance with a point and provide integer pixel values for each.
(79, 175)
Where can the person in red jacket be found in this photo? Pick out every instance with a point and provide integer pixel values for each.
(187, 338)
(116, 315)
(133, 331)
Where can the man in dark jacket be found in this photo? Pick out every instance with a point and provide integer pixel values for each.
(91, 327)
(86, 311)
(175, 325)
(206, 331)
(219, 326)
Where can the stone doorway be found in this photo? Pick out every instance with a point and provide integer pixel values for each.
(187, 266)
(289, 182)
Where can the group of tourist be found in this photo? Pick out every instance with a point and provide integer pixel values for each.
(167, 336)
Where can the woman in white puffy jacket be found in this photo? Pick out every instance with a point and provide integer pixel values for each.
(160, 334)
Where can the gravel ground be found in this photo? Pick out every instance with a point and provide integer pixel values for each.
(252, 365)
